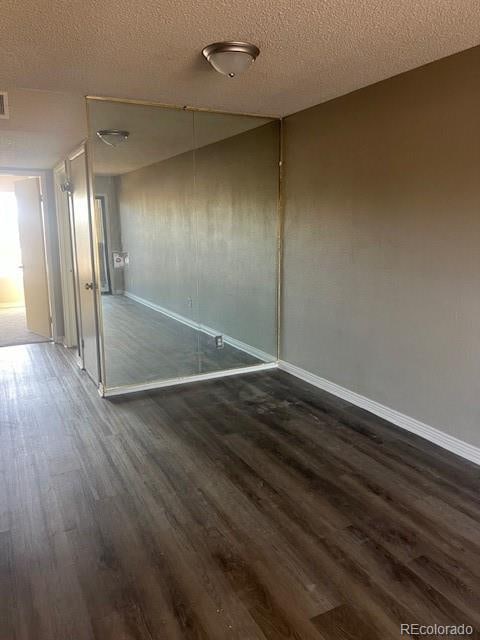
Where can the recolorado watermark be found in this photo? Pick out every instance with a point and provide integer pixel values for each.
(438, 630)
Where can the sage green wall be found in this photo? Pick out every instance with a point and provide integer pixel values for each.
(157, 223)
(381, 274)
(206, 222)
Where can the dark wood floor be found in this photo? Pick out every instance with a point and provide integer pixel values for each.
(247, 508)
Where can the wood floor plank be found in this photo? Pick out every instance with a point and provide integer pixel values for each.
(247, 508)
(461, 588)
(343, 623)
(7, 628)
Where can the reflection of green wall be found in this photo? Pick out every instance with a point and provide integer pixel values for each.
(219, 234)
(156, 212)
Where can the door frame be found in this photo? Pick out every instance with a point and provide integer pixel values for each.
(96, 267)
(49, 237)
(83, 148)
(65, 248)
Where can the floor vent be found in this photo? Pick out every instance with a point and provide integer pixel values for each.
(4, 105)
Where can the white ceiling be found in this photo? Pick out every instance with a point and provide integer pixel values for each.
(42, 128)
(311, 50)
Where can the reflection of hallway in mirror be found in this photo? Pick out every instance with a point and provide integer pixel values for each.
(144, 345)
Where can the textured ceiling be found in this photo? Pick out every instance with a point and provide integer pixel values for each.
(42, 128)
(311, 50)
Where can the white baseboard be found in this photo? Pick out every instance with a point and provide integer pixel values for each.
(440, 438)
(200, 377)
(11, 305)
(233, 342)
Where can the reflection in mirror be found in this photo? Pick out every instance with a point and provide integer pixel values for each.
(236, 192)
(102, 247)
(185, 215)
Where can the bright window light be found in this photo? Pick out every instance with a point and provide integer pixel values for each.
(10, 253)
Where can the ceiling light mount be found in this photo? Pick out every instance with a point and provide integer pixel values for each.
(231, 58)
(113, 137)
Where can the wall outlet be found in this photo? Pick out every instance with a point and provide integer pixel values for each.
(219, 342)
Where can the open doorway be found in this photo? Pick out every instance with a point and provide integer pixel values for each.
(25, 315)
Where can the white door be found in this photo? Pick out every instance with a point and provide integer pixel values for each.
(32, 243)
(82, 232)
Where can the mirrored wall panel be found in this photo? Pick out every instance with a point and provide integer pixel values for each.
(185, 210)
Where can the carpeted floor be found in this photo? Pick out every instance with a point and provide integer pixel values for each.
(13, 328)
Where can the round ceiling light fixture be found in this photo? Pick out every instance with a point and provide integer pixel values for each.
(113, 137)
(231, 58)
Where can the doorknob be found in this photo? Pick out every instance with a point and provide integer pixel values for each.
(89, 285)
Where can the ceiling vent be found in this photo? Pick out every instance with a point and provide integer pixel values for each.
(4, 105)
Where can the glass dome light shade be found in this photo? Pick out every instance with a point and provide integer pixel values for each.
(112, 137)
(231, 58)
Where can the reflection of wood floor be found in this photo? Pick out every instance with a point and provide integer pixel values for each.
(252, 507)
(143, 345)
(13, 328)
